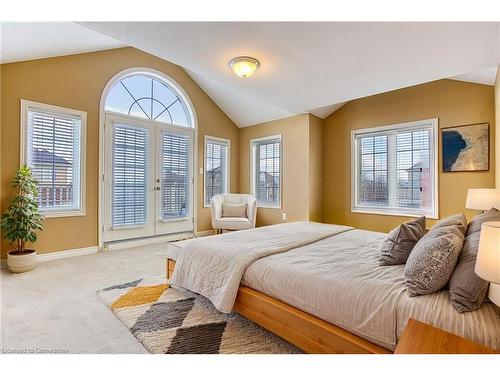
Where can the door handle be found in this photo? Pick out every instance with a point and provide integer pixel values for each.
(158, 188)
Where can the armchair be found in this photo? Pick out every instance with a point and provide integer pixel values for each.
(233, 223)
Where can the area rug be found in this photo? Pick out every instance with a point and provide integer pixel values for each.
(175, 321)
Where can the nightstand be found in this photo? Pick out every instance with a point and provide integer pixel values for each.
(422, 338)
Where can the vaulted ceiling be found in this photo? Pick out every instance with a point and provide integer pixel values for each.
(35, 40)
(306, 66)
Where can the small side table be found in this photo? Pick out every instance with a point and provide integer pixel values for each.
(422, 338)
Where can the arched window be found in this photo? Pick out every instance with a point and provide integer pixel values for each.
(148, 96)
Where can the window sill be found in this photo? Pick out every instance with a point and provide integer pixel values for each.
(177, 219)
(56, 214)
(126, 227)
(269, 207)
(388, 213)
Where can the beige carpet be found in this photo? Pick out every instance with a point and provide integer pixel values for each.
(175, 321)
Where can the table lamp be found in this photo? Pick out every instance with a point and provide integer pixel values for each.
(488, 258)
(483, 199)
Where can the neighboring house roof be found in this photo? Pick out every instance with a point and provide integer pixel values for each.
(47, 157)
(269, 178)
(415, 166)
(172, 176)
(214, 170)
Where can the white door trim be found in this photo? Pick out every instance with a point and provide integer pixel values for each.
(102, 122)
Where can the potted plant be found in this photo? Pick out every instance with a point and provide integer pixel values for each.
(20, 223)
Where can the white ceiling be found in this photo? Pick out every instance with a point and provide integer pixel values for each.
(35, 40)
(305, 67)
(485, 76)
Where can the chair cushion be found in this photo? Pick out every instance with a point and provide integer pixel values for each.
(400, 241)
(467, 290)
(232, 223)
(432, 261)
(234, 210)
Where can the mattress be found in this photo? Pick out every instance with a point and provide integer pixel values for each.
(174, 248)
(338, 280)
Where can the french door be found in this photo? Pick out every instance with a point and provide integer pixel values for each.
(148, 178)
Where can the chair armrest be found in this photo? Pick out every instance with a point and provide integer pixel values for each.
(252, 210)
(216, 208)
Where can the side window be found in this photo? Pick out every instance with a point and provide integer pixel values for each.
(53, 147)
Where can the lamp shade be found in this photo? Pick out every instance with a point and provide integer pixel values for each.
(483, 199)
(488, 255)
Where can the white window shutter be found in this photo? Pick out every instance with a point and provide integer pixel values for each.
(53, 150)
(266, 170)
(216, 168)
(130, 175)
(175, 184)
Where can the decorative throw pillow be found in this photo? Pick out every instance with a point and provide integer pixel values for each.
(234, 210)
(400, 241)
(433, 259)
(457, 220)
(475, 224)
(467, 290)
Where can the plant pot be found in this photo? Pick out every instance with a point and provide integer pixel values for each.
(21, 262)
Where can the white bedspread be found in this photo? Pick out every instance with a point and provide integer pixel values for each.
(213, 266)
(338, 279)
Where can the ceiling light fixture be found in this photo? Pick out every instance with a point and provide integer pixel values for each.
(244, 66)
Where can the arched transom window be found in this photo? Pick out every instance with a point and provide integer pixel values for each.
(147, 96)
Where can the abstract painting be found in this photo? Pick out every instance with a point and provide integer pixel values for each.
(466, 148)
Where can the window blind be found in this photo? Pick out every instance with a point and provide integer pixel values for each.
(393, 170)
(413, 169)
(130, 175)
(373, 184)
(267, 171)
(216, 155)
(53, 154)
(175, 161)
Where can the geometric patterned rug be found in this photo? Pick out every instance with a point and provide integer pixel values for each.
(176, 321)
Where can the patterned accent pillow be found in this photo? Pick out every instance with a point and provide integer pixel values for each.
(400, 241)
(433, 259)
(467, 290)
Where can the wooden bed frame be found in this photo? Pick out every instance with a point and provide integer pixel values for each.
(305, 331)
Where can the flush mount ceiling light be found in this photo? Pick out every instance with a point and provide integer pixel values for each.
(244, 66)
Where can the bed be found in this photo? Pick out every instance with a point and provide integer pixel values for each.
(330, 295)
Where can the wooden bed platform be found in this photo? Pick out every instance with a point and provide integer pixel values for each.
(305, 331)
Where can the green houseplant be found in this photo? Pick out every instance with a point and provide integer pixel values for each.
(20, 223)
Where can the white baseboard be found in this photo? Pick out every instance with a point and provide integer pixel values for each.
(127, 244)
(115, 246)
(204, 233)
(47, 257)
(67, 253)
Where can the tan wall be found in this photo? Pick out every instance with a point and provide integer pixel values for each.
(295, 191)
(315, 168)
(77, 81)
(1, 179)
(497, 136)
(453, 102)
